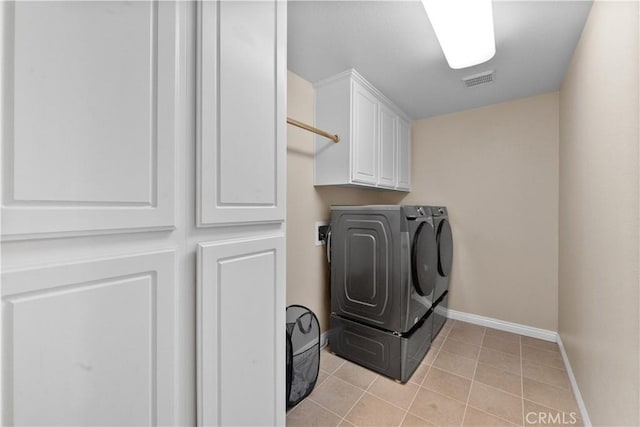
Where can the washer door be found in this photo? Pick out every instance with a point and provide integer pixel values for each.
(424, 259)
(445, 248)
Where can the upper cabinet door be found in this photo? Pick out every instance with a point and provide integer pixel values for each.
(364, 135)
(241, 112)
(387, 151)
(88, 112)
(404, 155)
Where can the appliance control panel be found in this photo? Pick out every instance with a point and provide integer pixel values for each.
(439, 211)
(413, 212)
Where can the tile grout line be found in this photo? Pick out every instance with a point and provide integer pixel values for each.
(325, 408)
(501, 390)
(475, 368)
(444, 339)
(490, 386)
(415, 395)
(535, 362)
(357, 401)
(540, 348)
(421, 384)
(545, 366)
(384, 400)
(492, 415)
(317, 385)
(455, 374)
(366, 391)
(500, 351)
(325, 380)
(544, 405)
(497, 388)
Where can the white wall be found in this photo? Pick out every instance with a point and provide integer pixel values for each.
(496, 169)
(599, 233)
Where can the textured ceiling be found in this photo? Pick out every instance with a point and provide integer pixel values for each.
(392, 44)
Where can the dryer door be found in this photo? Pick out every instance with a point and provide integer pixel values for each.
(445, 248)
(424, 258)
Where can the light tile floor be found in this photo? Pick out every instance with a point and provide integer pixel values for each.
(471, 376)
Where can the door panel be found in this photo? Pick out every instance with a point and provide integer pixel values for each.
(241, 117)
(241, 332)
(404, 155)
(424, 259)
(90, 343)
(111, 340)
(445, 248)
(388, 147)
(97, 156)
(364, 135)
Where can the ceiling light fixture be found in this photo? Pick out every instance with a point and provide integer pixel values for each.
(464, 29)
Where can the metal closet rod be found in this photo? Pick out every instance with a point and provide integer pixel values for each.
(334, 138)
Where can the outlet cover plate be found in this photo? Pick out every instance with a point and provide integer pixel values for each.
(316, 235)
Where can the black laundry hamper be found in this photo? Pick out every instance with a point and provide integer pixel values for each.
(303, 353)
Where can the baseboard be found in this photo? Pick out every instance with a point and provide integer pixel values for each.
(502, 325)
(574, 385)
(324, 339)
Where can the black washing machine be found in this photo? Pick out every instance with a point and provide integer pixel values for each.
(384, 273)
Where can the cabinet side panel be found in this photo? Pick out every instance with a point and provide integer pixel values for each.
(404, 155)
(331, 162)
(387, 155)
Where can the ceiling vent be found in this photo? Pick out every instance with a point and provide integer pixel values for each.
(478, 79)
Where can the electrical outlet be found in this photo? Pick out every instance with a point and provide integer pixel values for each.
(321, 229)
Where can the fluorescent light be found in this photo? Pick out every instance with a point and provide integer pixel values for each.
(464, 29)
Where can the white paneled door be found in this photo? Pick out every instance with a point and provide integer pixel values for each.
(241, 79)
(88, 117)
(241, 181)
(108, 231)
(364, 134)
(90, 343)
(403, 164)
(242, 346)
(388, 147)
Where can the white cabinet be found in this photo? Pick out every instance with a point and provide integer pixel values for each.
(242, 343)
(108, 230)
(241, 180)
(387, 152)
(91, 343)
(365, 155)
(241, 114)
(88, 146)
(403, 159)
(374, 136)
